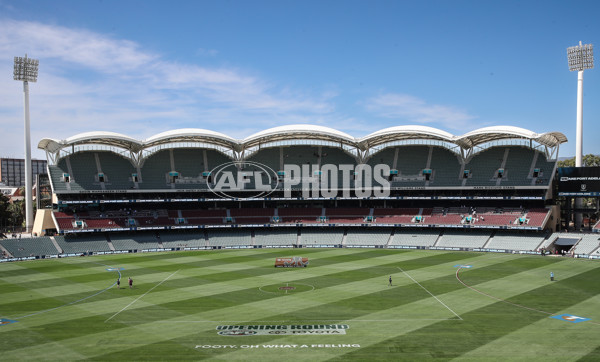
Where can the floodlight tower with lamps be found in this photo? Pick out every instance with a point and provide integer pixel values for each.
(26, 70)
(580, 57)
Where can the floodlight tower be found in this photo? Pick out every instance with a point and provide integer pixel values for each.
(580, 57)
(26, 70)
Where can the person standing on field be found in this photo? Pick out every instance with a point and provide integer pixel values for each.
(390, 284)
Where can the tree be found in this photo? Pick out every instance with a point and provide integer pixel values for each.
(588, 161)
(4, 213)
(16, 214)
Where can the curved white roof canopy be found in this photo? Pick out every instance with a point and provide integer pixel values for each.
(488, 134)
(298, 131)
(97, 137)
(192, 135)
(305, 132)
(400, 133)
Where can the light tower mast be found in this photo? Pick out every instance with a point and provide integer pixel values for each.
(580, 57)
(26, 70)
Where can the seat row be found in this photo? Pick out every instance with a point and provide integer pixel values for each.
(147, 219)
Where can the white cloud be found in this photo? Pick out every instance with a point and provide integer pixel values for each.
(412, 109)
(93, 82)
(90, 81)
(76, 46)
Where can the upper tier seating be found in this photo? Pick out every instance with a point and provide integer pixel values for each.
(483, 167)
(118, 171)
(413, 165)
(155, 170)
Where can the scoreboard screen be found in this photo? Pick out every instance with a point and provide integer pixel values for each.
(578, 181)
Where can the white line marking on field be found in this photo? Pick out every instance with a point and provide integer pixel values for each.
(138, 298)
(302, 321)
(74, 302)
(287, 284)
(436, 298)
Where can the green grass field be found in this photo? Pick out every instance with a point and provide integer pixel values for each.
(499, 309)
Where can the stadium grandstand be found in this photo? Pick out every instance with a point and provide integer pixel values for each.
(302, 186)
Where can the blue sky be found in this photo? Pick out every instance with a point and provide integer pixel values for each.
(237, 67)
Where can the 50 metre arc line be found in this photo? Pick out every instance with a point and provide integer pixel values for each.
(436, 298)
(140, 297)
(75, 301)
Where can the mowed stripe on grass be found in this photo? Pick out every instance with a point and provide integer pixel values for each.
(342, 287)
(262, 297)
(43, 292)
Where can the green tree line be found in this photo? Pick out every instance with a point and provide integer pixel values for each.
(588, 161)
(12, 214)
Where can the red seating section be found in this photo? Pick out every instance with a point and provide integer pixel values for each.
(298, 215)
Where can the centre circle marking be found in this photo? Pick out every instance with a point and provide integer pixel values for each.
(285, 288)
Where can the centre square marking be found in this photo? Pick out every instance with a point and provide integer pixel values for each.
(287, 288)
(463, 266)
